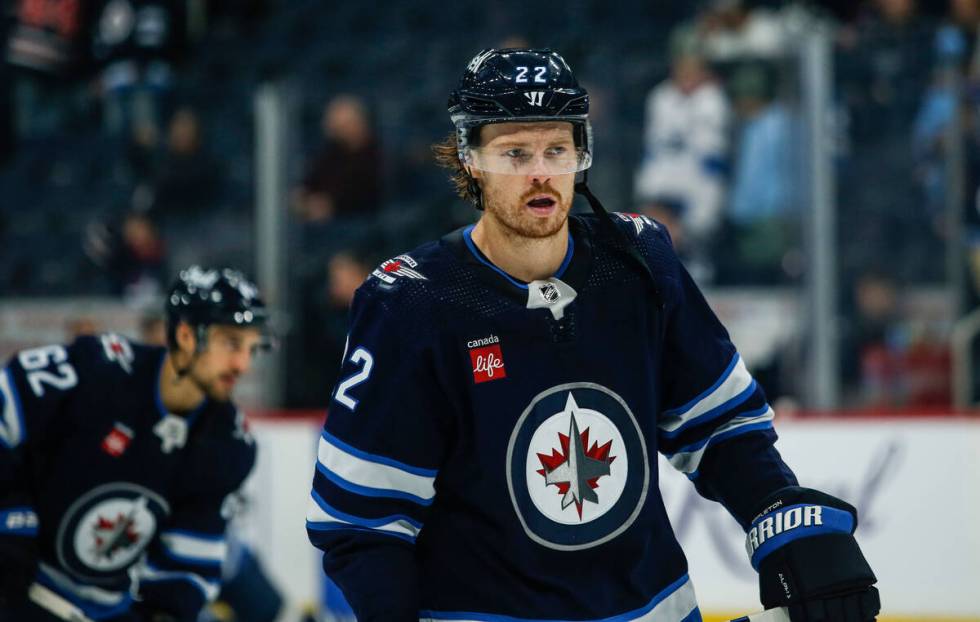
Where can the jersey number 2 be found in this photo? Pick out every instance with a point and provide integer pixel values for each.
(37, 360)
(359, 356)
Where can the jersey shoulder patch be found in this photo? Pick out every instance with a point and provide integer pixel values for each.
(407, 280)
(412, 267)
(403, 266)
(639, 222)
(113, 356)
(117, 350)
(650, 237)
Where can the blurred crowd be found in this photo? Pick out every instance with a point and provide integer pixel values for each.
(126, 141)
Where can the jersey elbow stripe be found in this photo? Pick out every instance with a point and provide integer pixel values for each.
(737, 387)
(314, 530)
(732, 364)
(673, 448)
(373, 475)
(194, 549)
(152, 574)
(688, 459)
(367, 491)
(12, 428)
(322, 515)
(90, 596)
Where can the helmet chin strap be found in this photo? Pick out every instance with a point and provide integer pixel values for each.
(582, 187)
(474, 189)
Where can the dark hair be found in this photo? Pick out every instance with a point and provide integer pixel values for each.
(447, 156)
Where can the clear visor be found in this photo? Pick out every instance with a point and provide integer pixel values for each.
(544, 148)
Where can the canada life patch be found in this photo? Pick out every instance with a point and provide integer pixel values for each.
(486, 359)
(117, 440)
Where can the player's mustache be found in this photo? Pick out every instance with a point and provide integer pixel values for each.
(540, 188)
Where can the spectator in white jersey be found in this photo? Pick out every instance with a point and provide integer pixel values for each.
(685, 150)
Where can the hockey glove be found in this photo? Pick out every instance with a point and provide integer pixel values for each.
(18, 565)
(803, 547)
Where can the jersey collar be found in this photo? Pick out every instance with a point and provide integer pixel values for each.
(574, 269)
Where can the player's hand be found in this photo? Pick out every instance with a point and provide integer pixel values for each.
(803, 546)
(18, 567)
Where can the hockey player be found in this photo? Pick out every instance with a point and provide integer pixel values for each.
(490, 452)
(120, 462)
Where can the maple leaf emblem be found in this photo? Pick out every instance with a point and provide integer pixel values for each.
(116, 533)
(575, 468)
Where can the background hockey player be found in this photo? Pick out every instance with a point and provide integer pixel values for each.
(490, 452)
(120, 462)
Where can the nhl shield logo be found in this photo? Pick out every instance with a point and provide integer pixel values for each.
(549, 292)
(577, 467)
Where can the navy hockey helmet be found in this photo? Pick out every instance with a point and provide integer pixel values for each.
(202, 297)
(519, 85)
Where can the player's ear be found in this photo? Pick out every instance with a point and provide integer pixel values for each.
(473, 172)
(186, 340)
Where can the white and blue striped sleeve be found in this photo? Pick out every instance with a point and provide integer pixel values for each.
(184, 565)
(378, 459)
(715, 424)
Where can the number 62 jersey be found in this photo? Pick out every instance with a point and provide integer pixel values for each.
(119, 497)
(491, 448)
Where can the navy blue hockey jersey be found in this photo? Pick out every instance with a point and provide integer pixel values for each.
(491, 447)
(123, 497)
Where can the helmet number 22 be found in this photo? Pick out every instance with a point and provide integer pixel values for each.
(539, 74)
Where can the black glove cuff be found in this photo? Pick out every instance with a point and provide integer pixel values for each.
(795, 513)
(818, 567)
(803, 546)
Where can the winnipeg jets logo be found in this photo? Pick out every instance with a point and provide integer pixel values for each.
(195, 276)
(107, 529)
(564, 482)
(112, 535)
(535, 98)
(478, 60)
(575, 469)
(403, 265)
(247, 289)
